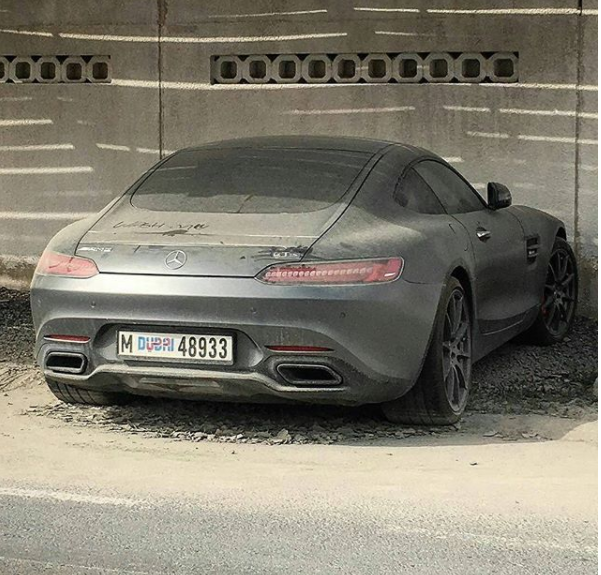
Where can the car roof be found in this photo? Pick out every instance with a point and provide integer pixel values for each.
(347, 144)
(405, 153)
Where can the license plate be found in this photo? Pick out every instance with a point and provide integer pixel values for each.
(183, 346)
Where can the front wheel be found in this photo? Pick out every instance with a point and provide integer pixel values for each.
(440, 394)
(559, 299)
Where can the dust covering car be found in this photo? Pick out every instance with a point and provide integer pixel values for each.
(313, 269)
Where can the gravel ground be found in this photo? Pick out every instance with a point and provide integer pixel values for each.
(517, 379)
(16, 329)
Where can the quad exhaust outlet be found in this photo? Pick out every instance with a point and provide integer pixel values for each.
(66, 362)
(315, 375)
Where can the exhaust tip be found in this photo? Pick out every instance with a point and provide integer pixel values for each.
(308, 374)
(66, 362)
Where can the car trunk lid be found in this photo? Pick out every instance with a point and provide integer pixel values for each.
(133, 241)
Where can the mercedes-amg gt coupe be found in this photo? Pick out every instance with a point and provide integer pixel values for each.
(311, 269)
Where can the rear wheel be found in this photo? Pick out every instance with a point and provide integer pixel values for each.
(71, 394)
(559, 299)
(440, 395)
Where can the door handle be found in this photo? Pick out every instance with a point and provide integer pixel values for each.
(483, 234)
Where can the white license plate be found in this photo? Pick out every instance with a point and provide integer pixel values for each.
(184, 346)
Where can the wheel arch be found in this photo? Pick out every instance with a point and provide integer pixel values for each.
(461, 274)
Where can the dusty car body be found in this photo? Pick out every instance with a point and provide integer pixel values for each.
(297, 268)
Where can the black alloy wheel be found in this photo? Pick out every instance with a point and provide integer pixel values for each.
(441, 392)
(559, 299)
(456, 351)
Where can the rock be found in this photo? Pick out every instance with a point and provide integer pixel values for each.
(283, 435)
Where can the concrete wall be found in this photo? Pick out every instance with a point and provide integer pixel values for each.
(538, 136)
(587, 176)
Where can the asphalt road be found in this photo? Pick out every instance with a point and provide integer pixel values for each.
(83, 500)
(59, 532)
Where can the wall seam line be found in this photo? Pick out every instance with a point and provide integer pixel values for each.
(162, 13)
(578, 123)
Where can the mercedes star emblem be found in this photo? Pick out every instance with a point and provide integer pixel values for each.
(175, 260)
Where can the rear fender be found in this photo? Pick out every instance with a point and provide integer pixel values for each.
(67, 240)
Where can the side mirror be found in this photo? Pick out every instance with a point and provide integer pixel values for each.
(499, 196)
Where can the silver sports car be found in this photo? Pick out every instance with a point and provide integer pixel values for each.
(313, 269)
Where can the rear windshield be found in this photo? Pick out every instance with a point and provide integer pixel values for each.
(247, 180)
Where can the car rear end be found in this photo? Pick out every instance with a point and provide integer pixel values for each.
(201, 282)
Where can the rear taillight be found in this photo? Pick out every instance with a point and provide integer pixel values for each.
(67, 338)
(299, 348)
(55, 264)
(334, 273)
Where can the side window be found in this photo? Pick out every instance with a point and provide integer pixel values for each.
(454, 194)
(415, 195)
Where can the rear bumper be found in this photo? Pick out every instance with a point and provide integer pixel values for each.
(378, 334)
(224, 386)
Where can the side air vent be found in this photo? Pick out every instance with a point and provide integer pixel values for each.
(532, 247)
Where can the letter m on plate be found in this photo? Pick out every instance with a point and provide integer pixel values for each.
(127, 342)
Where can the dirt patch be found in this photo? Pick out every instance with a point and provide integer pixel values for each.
(240, 423)
(16, 375)
(290, 424)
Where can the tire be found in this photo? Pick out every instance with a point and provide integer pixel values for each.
(441, 392)
(559, 298)
(71, 394)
